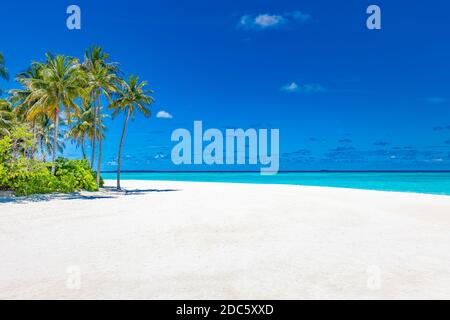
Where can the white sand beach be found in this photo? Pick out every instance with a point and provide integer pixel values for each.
(187, 240)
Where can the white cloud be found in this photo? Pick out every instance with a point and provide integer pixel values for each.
(266, 20)
(293, 87)
(307, 88)
(164, 115)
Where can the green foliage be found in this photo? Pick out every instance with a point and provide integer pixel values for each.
(5, 150)
(25, 176)
(75, 175)
(5, 156)
(3, 70)
(62, 87)
(3, 175)
(22, 139)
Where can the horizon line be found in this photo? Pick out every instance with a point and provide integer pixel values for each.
(280, 171)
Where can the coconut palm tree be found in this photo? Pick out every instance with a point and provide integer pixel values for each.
(83, 129)
(54, 92)
(21, 97)
(44, 137)
(92, 57)
(22, 100)
(102, 80)
(130, 99)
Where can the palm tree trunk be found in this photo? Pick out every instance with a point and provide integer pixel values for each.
(83, 148)
(119, 157)
(92, 152)
(100, 139)
(94, 136)
(33, 147)
(55, 141)
(41, 149)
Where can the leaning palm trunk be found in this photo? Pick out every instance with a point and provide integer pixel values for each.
(55, 141)
(93, 151)
(42, 152)
(83, 148)
(94, 135)
(33, 147)
(100, 140)
(119, 157)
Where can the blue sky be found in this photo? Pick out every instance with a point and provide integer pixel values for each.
(344, 97)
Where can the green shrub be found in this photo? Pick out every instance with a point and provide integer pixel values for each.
(25, 176)
(5, 156)
(75, 175)
(3, 175)
(31, 177)
(5, 150)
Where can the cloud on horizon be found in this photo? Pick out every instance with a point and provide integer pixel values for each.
(308, 88)
(272, 21)
(380, 143)
(397, 154)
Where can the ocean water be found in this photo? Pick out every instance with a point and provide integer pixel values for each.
(419, 182)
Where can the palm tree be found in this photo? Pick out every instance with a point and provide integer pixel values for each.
(43, 137)
(84, 128)
(81, 128)
(102, 79)
(92, 58)
(22, 100)
(131, 98)
(56, 90)
(21, 97)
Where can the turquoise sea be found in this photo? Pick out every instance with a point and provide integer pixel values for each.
(420, 182)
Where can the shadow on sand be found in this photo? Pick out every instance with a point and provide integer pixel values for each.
(130, 192)
(105, 193)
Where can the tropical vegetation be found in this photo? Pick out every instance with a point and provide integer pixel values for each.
(59, 100)
(131, 98)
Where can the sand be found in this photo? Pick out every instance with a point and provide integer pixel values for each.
(187, 240)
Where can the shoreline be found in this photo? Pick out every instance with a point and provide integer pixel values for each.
(413, 182)
(197, 240)
(112, 182)
(110, 187)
